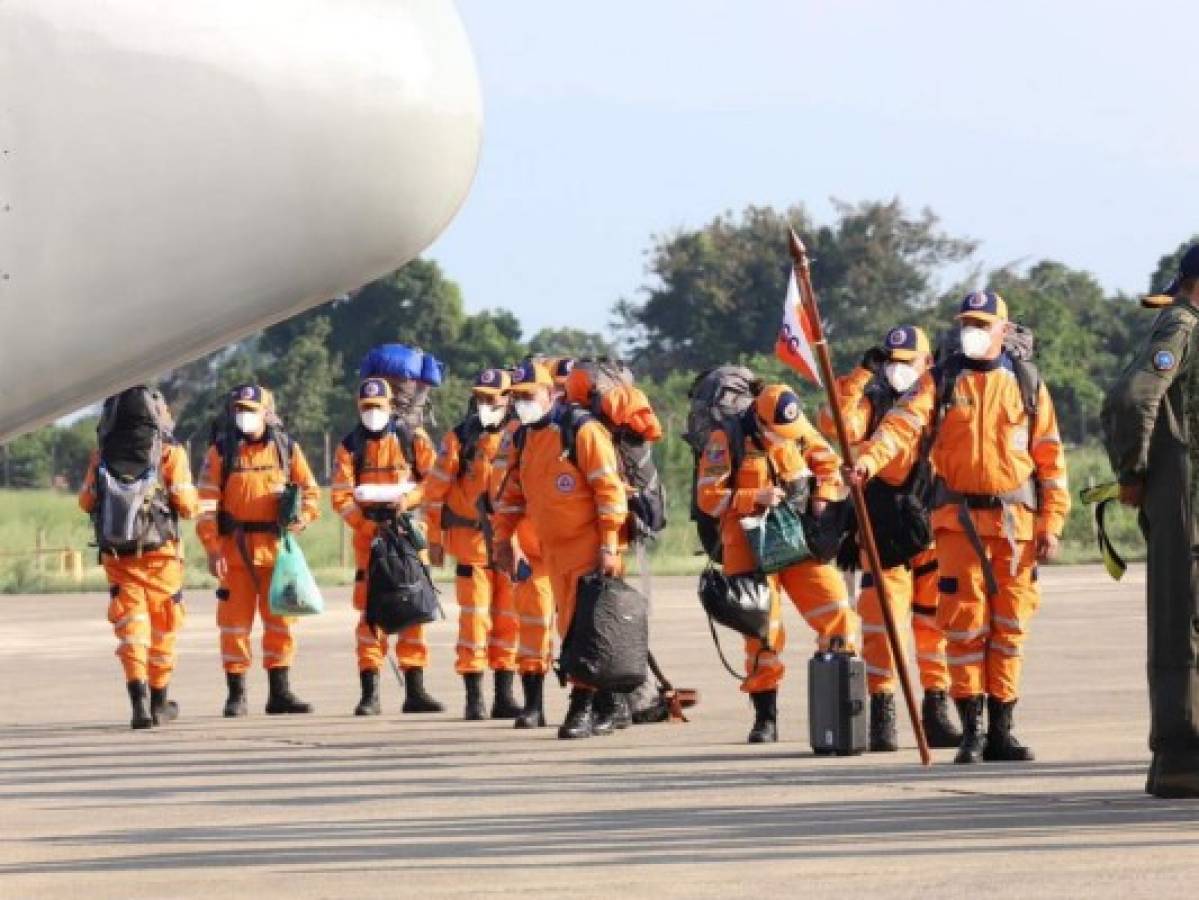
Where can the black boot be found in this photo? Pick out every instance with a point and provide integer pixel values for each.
(416, 698)
(603, 713)
(504, 705)
(765, 730)
(533, 715)
(1174, 776)
(579, 719)
(883, 735)
(622, 717)
(476, 710)
(369, 704)
(1002, 745)
(281, 700)
(974, 739)
(162, 708)
(938, 726)
(235, 703)
(139, 699)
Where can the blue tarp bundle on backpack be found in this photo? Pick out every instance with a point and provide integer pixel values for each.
(401, 361)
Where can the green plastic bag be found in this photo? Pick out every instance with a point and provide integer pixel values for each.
(293, 589)
(777, 538)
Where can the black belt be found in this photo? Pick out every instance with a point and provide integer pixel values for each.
(227, 525)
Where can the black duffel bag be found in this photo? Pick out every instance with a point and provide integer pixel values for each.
(399, 589)
(607, 644)
(739, 602)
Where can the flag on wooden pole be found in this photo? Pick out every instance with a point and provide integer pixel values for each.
(794, 344)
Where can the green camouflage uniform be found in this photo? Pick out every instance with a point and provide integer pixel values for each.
(1147, 438)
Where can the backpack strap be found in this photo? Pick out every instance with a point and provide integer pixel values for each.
(1028, 378)
(576, 417)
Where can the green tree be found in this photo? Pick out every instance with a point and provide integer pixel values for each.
(570, 342)
(306, 380)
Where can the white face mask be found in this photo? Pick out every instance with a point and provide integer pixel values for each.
(250, 424)
(529, 411)
(901, 376)
(976, 342)
(491, 416)
(374, 420)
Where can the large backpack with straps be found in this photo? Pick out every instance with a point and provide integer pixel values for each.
(355, 444)
(719, 399)
(133, 513)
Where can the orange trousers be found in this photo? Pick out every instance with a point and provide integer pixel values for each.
(412, 652)
(146, 611)
(242, 593)
(912, 591)
(818, 592)
(534, 600)
(986, 635)
(487, 623)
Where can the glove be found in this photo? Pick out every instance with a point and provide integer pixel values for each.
(874, 359)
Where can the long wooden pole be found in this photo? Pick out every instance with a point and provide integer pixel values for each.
(803, 274)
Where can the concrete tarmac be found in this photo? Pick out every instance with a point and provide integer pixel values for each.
(414, 806)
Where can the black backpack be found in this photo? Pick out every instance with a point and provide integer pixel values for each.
(399, 590)
(607, 644)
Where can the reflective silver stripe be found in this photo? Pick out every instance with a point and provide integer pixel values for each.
(209, 485)
(827, 608)
(966, 660)
(597, 474)
(505, 614)
(342, 486)
(506, 509)
(441, 476)
(1005, 649)
(135, 617)
(471, 608)
(1061, 484)
(276, 629)
(962, 637)
(158, 659)
(535, 620)
(926, 619)
(366, 641)
(873, 629)
(931, 657)
(234, 629)
(434, 504)
(881, 673)
(536, 652)
(1011, 624)
(134, 642)
(711, 479)
(910, 417)
(612, 509)
(501, 645)
(207, 516)
(185, 486)
(722, 506)
(468, 645)
(272, 655)
(889, 442)
(234, 658)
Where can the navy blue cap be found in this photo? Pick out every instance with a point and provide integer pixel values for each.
(1188, 267)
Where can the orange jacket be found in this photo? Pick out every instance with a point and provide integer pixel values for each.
(985, 445)
(383, 462)
(526, 533)
(567, 504)
(857, 409)
(720, 497)
(251, 494)
(458, 490)
(176, 478)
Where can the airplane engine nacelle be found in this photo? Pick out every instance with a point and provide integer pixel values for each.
(176, 175)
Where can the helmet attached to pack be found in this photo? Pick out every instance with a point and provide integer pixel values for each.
(411, 374)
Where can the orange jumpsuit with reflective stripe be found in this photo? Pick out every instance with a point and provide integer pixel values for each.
(815, 587)
(456, 492)
(574, 510)
(912, 587)
(251, 495)
(383, 463)
(986, 446)
(146, 591)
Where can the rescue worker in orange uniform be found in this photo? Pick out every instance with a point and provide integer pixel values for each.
(778, 437)
(379, 472)
(577, 510)
(146, 580)
(245, 474)
(458, 514)
(999, 505)
(867, 394)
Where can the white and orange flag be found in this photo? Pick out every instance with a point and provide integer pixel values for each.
(794, 344)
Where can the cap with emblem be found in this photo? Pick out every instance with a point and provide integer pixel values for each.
(491, 383)
(248, 396)
(987, 306)
(529, 376)
(374, 392)
(778, 409)
(906, 343)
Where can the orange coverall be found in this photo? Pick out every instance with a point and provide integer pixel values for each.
(574, 510)
(383, 463)
(146, 592)
(912, 587)
(487, 620)
(251, 495)
(815, 587)
(986, 446)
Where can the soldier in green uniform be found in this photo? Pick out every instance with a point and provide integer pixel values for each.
(1147, 438)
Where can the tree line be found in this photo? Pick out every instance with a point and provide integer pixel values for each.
(712, 294)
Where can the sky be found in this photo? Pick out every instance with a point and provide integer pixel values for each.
(1064, 130)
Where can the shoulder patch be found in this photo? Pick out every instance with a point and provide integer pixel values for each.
(1164, 360)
